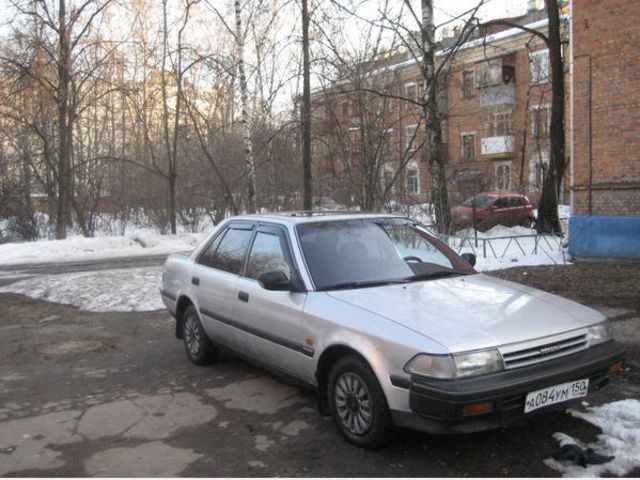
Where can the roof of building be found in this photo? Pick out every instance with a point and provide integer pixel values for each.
(532, 19)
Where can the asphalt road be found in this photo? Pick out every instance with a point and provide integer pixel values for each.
(13, 273)
(112, 394)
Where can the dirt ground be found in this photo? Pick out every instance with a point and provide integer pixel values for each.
(610, 284)
(112, 394)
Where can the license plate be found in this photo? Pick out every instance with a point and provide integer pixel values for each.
(556, 394)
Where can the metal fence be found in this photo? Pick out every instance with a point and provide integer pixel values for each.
(499, 247)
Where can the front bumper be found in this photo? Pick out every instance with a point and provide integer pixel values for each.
(437, 405)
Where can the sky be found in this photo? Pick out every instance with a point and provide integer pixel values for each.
(351, 31)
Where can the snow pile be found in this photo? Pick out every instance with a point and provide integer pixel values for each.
(498, 231)
(506, 247)
(511, 261)
(76, 249)
(620, 437)
(118, 290)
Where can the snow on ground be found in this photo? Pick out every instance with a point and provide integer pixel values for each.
(514, 260)
(506, 247)
(118, 290)
(76, 249)
(620, 437)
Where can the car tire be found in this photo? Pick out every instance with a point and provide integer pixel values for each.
(197, 344)
(357, 403)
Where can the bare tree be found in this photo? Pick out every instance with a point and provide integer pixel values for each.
(240, 36)
(69, 28)
(306, 109)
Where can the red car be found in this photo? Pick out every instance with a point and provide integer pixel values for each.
(493, 208)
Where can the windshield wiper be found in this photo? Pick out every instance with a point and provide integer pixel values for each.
(436, 274)
(365, 283)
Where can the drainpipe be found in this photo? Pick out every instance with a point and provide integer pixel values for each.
(589, 105)
(571, 111)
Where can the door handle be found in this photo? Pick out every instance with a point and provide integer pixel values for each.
(244, 296)
(195, 281)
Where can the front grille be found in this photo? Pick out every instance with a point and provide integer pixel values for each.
(529, 353)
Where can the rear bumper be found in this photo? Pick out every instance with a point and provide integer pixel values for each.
(169, 301)
(436, 405)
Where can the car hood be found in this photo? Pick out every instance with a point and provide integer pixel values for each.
(472, 312)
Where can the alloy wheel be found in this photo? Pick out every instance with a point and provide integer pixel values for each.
(192, 335)
(353, 403)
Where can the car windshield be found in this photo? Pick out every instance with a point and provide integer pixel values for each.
(369, 252)
(480, 200)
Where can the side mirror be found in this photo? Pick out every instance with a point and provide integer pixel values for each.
(276, 280)
(470, 258)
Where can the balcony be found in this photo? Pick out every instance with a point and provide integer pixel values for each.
(499, 95)
(498, 146)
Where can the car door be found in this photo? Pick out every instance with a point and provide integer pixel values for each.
(500, 213)
(215, 277)
(273, 318)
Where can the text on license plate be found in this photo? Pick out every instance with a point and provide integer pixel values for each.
(556, 394)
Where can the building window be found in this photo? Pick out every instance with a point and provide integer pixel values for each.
(353, 138)
(539, 62)
(413, 179)
(345, 110)
(540, 121)
(468, 88)
(538, 166)
(498, 123)
(468, 144)
(411, 94)
(387, 178)
(503, 176)
(412, 140)
(387, 140)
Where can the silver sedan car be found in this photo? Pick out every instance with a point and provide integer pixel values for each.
(387, 324)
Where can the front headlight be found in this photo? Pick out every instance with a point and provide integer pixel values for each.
(599, 333)
(455, 366)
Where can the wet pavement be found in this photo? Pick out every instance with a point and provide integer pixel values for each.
(113, 394)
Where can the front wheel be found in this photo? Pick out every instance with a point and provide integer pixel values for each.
(357, 403)
(197, 344)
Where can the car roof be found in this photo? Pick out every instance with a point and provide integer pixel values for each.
(502, 194)
(303, 216)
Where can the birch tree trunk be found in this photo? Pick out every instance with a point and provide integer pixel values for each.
(244, 119)
(306, 110)
(436, 161)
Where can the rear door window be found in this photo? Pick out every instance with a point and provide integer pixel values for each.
(502, 203)
(230, 252)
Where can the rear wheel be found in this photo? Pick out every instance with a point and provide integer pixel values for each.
(197, 344)
(357, 403)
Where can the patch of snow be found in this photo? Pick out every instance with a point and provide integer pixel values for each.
(506, 247)
(76, 249)
(519, 260)
(498, 231)
(620, 437)
(564, 211)
(118, 290)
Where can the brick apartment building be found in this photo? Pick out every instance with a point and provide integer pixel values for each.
(605, 129)
(495, 105)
